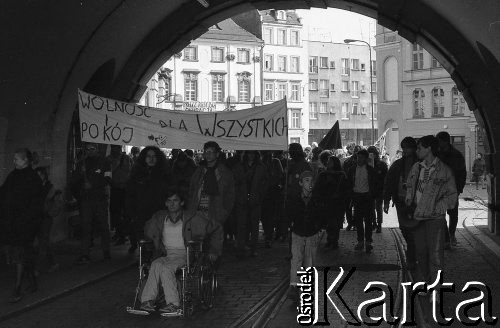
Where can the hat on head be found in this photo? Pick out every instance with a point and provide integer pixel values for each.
(306, 174)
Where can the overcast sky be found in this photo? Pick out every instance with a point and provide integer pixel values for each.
(336, 25)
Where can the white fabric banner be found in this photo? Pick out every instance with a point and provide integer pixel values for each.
(109, 121)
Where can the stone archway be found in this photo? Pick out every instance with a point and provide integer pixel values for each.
(438, 29)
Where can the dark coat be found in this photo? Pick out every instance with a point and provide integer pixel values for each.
(275, 171)
(395, 172)
(331, 189)
(146, 193)
(351, 176)
(306, 219)
(295, 168)
(380, 174)
(456, 161)
(256, 178)
(240, 185)
(21, 207)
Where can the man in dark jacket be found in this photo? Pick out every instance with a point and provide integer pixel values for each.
(256, 180)
(350, 162)
(94, 177)
(456, 161)
(21, 205)
(362, 180)
(380, 173)
(395, 189)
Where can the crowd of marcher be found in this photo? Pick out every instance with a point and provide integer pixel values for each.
(294, 194)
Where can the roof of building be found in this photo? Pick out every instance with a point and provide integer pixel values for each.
(230, 31)
(270, 16)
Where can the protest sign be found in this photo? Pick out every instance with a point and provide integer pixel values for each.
(109, 121)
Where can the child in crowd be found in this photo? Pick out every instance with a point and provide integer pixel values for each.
(306, 224)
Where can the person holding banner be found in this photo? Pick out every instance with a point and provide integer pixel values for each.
(146, 190)
(211, 191)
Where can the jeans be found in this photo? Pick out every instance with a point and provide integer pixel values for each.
(94, 211)
(363, 216)
(116, 209)
(429, 247)
(303, 254)
(453, 215)
(407, 231)
(379, 213)
(163, 270)
(334, 222)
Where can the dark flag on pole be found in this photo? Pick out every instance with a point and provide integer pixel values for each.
(332, 139)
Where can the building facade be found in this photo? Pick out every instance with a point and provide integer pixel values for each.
(340, 90)
(219, 71)
(418, 97)
(285, 69)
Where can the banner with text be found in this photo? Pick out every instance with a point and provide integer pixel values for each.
(109, 121)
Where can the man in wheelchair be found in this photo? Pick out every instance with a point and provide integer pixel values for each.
(171, 230)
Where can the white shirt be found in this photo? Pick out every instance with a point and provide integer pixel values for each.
(172, 235)
(361, 180)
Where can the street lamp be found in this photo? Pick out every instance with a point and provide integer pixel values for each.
(371, 81)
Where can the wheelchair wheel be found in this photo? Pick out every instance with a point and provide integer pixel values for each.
(207, 287)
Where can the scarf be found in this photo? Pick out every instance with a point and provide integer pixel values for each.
(210, 186)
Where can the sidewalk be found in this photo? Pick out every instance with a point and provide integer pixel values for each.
(68, 278)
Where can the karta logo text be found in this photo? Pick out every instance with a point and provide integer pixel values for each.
(309, 311)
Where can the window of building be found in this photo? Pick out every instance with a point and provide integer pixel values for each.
(355, 89)
(375, 111)
(244, 90)
(418, 103)
(269, 91)
(295, 140)
(295, 124)
(390, 79)
(435, 63)
(437, 102)
(295, 92)
(268, 63)
(295, 64)
(281, 15)
(323, 62)
(345, 111)
(282, 63)
(164, 87)
(324, 88)
(458, 102)
(191, 86)
(355, 108)
(362, 66)
(243, 56)
(313, 84)
(282, 37)
(355, 64)
(332, 87)
(313, 110)
(363, 110)
(313, 64)
(345, 86)
(217, 54)
(418, 56)
(191, 53)
(218, 87)
(332, 64)
(374, 86)
(323, 107)
(345, 66)
(282, 90)
(268, 35)
(294, 38)
(374, 67)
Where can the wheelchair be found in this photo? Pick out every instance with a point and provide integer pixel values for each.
(196, 281)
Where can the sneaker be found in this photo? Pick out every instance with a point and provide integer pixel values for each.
(148, 306)
(83, 259)
(54, 267)
(359, 247)
(170, 309)
(369, 247)
(16, 296)
(453, 241)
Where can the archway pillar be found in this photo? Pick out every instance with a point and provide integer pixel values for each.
(493, 187)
